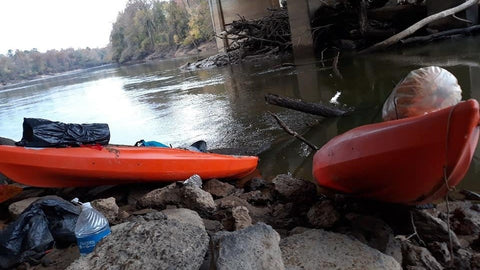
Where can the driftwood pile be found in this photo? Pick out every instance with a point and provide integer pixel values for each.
(366, 26)
(254, 37)
(357, 25)
(250, 40)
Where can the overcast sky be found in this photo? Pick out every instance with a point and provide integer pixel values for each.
(56, 24)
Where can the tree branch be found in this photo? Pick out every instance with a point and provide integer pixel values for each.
(293, 133)
(441, 34)
(412, 29)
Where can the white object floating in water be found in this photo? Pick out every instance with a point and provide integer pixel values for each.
(334, 99)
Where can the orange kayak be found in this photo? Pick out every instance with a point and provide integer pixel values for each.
(407, 161)
(85, 166)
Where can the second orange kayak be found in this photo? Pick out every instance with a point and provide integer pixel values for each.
(409, 161)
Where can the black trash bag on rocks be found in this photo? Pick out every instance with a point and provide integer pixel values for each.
(45, 133)
(46, 222)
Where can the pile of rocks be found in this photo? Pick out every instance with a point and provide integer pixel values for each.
(282, 224)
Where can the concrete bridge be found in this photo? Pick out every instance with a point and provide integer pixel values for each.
(310, 81)
(225, 12)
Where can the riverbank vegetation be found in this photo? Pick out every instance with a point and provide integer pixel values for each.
(155, 29)
(25, 65)
(146, 29)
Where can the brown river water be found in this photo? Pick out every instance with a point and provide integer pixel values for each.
(225, 106)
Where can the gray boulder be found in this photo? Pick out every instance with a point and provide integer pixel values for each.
(462, 259)
(256, 184)
(294, 190)
(232, 201)
(212, 226)
(197, 199)
(286, 216)
(466, 220)
(159, 198)
(415, 256)
(323, 214)
(258, 197)
(135, 193)
(440, 251)
(476, 261)
(191, 197)
(108, 207)
(376, 234)
(433, 229)
(255, 247)
(184, 215)
(16, 208)
(241, 217)
(228, 203)
(151, 242)
(218, 188)
(298, 230)
(319, 249)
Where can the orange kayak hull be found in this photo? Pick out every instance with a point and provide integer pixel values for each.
(402, 161)
(84, 166)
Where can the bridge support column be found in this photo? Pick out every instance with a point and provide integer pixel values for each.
(218, 23)
(300, 28)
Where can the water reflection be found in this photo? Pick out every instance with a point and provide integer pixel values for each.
(366, 83)
(226, 107)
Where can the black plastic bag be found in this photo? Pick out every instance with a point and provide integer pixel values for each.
(46, 222)
(45, 133)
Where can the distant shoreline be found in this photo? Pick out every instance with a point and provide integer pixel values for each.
(20, 83)
(205, 49)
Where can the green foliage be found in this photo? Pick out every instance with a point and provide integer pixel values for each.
(177, 22)
(142, 28)
(24, 65)
(200, 24)
(149, 26)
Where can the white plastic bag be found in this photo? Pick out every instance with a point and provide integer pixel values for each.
(424, 90)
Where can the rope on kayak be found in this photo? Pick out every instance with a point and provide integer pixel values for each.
(449, 188)
(448, 214)
(395, 104)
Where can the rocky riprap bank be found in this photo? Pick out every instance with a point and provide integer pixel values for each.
(282, 224)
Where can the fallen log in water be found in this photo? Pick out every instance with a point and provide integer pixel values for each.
(307, 107)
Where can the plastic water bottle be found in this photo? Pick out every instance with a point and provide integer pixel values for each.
(91, 227)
